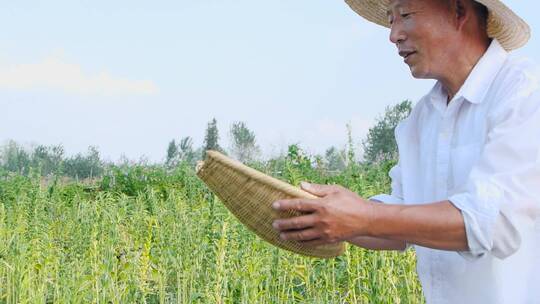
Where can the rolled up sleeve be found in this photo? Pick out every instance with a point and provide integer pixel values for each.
(501, 195)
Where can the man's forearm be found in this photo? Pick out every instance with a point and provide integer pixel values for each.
(340, 214)
(377, 243)
(438, 225)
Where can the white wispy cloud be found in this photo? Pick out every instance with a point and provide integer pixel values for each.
(57, 74)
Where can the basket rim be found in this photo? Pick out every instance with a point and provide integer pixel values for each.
(256, 175)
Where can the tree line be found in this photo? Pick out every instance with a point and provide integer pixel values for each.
(50, 160)
(379, 146)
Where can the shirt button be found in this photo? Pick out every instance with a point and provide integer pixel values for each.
(444, 135)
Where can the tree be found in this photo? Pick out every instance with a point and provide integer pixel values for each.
(211, 138)
(172, 154)
(186, 152)
(15, 158)
(380, 144)
(181, 152)
(84, 166)
(243, 146)
(48, 158)
(335, 159)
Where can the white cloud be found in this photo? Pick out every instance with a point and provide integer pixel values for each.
(54, 73)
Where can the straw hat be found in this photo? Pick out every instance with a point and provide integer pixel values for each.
(249, 195)
(503, 24)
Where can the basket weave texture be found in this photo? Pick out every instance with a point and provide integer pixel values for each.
(249, 195)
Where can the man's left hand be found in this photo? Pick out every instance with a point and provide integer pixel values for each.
(339, 214)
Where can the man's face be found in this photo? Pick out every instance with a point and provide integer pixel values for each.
(423, 31)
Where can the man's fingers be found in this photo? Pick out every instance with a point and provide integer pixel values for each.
(319, 190)
(295, 223)
(300, 235)
(301, 205)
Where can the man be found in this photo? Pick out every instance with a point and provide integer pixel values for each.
(466, 189)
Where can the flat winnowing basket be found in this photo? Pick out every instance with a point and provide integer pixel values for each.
(249, 195)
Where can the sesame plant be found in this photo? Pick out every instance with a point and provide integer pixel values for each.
(149, 234)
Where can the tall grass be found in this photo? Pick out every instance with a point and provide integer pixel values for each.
(145, 235)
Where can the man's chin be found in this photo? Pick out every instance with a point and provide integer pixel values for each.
(417, 73)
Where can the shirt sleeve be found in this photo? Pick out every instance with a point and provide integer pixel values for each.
(500, 200)
(397, 193)
(396, 197)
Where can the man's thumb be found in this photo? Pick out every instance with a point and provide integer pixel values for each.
(316, 189)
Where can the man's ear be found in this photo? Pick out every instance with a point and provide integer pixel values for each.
(462, 13)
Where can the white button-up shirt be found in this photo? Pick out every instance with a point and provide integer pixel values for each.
(482, 153)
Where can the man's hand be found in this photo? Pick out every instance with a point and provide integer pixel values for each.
(341, 215)
(338, 215)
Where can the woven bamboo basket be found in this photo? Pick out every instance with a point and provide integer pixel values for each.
(249, 195)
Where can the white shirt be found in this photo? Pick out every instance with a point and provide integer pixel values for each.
(482, 153)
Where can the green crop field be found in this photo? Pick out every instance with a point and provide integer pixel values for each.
(151, 235)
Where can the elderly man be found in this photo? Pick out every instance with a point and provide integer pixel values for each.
(466, 189)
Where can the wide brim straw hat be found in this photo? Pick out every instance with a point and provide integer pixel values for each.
(503, 24)
(249, 195)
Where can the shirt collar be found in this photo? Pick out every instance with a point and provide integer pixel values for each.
(479, 80)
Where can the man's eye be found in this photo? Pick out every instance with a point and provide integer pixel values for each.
(405, 15)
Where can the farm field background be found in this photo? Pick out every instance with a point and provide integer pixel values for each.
(148, 234)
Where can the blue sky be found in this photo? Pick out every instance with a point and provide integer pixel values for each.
(129, 76)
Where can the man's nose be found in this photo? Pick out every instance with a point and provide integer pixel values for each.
(397, 34)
